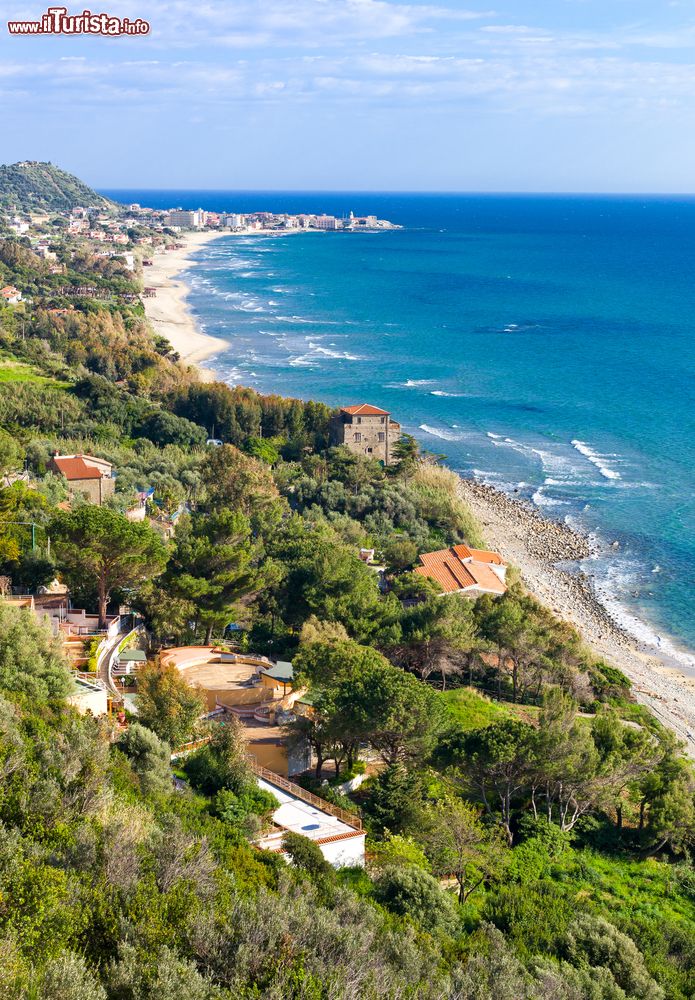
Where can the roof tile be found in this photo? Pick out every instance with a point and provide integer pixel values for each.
(459, 568)
(364, 410)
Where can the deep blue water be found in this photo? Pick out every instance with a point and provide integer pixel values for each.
(546, 343)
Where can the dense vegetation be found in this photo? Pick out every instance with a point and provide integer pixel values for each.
(529, 825)
(32, 186)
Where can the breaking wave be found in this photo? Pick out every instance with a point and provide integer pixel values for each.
(600, 461)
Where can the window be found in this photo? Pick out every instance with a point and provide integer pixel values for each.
(383, 420)
(382, 436)
(359, 420)
(358, 436)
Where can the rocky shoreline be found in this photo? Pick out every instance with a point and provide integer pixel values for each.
(547, 539)
(547, 554)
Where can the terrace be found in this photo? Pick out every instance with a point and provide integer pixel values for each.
(338, 833)
(253, 689)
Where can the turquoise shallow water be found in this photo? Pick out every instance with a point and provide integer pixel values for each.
(546, 344)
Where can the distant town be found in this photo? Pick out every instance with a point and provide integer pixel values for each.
(117, 232)
(178, 218)
(119, 224)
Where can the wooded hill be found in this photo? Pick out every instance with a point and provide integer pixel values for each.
(31, 186)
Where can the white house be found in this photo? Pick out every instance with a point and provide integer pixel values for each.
(11, 295)
(338, 833)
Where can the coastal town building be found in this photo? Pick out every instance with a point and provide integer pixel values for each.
(366, 430)
(462, 570)
(85, 474)
(88, 696)
(326, 222)
(186, 219)
(11, 295)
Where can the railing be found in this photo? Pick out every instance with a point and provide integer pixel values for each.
(190, 747)
(301, 793)
(276, 841)
(287, 786)
(92, 679)
(108, 650)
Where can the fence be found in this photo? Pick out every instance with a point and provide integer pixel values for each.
(287, 786)
(301, 793)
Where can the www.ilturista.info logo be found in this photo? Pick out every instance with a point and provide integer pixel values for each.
(57, 21)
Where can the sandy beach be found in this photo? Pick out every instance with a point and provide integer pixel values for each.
(168, 311)
(539, 547)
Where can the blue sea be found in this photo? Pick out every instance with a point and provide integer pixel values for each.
(543, 344)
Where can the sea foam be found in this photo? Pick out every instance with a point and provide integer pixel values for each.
(443, 433)
(600, 461)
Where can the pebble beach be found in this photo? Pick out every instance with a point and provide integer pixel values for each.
(547, 554)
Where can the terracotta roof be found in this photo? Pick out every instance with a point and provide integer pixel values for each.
(364, 410)
(450, 572)
(485, 578)
(76, 468)
(480, 555)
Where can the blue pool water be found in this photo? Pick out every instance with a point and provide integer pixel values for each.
(545, 343)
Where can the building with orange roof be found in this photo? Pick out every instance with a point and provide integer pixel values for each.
(85, 474)
(463, 570)
(366, 430)
(11, 295)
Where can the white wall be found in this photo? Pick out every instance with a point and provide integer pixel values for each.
(347, 853)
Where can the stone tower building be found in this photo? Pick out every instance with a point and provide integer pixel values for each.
(366, 430)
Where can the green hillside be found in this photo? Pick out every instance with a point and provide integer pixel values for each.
(31, 186)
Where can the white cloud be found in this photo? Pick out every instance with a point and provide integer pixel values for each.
(367, 52)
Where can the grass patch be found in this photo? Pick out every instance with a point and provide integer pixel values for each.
(17, 371)
(470, 709)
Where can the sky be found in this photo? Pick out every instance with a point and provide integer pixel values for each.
(510, 95)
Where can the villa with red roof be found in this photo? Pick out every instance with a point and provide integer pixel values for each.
(11, 295)
(462, 570)
(85, 474)
(366, 430)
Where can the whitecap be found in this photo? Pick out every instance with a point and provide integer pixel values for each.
(303, 361)
(411, 383)
(553, 464)
(541, 499)
(596, 459)
(342, 355)
(440, 432)
(291, 319)
(485, 475)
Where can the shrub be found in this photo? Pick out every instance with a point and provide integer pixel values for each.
(595, 941)
(245, 810)
(412, 892)
(149, 757)
(307, 856)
